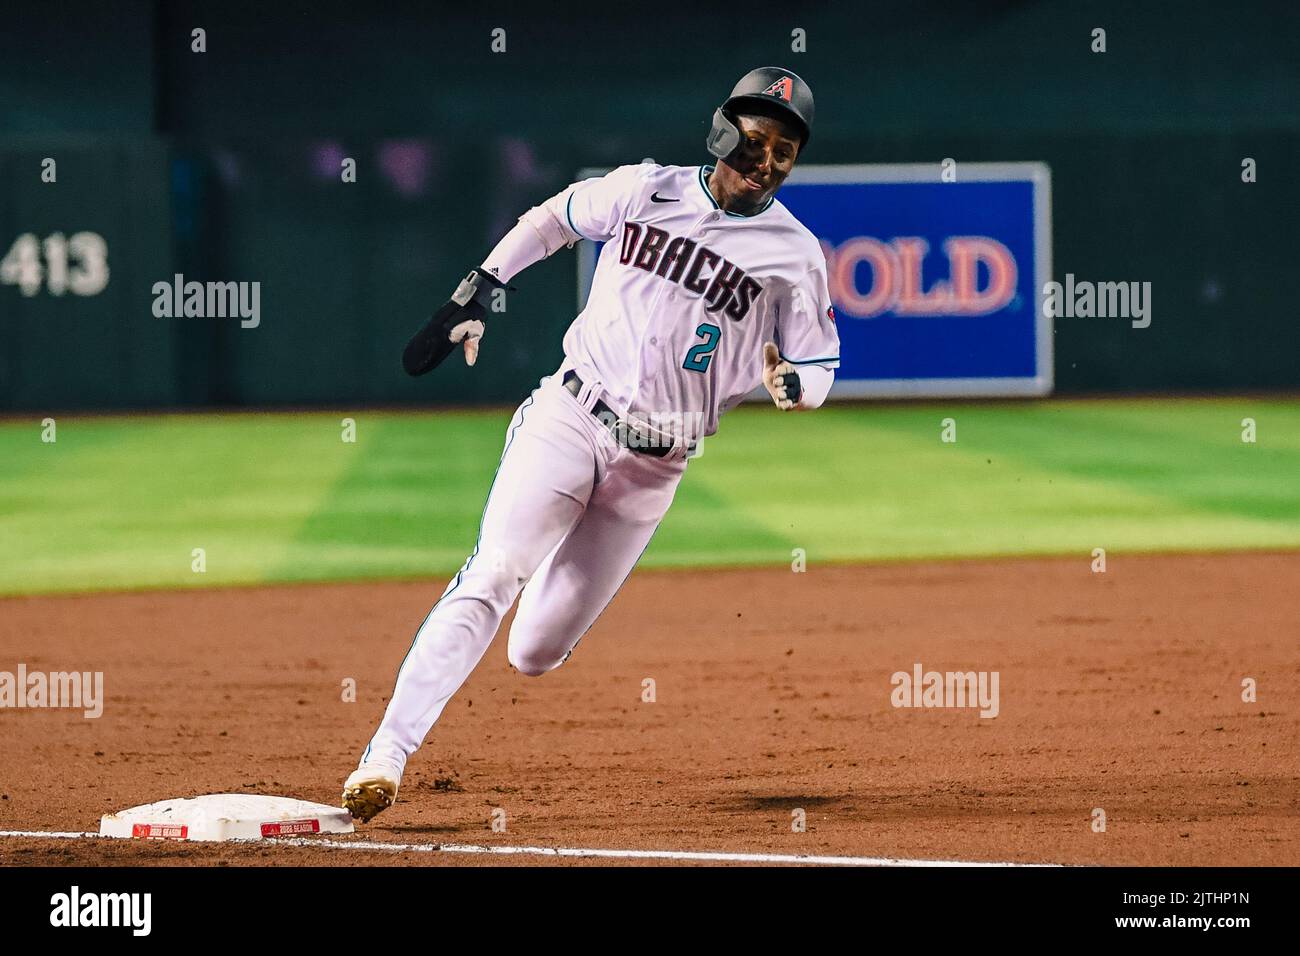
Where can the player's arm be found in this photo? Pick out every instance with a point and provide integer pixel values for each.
(591, 209)
(799, 368)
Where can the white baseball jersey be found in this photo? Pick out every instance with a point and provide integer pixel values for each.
(685, 293)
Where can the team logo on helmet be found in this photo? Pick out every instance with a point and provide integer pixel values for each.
(783, 88)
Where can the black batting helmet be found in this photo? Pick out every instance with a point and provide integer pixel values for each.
(768, 91)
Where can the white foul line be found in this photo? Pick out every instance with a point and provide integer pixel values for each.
(681, 855)
(692, 855)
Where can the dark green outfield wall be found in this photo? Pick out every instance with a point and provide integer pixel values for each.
(224, 166)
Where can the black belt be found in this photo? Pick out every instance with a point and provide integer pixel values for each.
(626, 435)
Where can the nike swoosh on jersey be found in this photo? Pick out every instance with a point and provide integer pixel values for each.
(654, 197)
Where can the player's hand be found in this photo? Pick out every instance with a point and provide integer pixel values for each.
(781, 379)
(468, 334)
(458, 322)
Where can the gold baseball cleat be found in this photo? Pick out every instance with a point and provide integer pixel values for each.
(369, 791)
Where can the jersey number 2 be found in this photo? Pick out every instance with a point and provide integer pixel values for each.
(699, 356)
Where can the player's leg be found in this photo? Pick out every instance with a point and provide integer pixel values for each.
(546, 475)
(581, 576)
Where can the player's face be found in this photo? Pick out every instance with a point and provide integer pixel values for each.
(761, 163)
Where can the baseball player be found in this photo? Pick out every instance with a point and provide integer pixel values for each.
(706, 286)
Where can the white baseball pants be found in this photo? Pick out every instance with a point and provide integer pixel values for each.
(569, 513)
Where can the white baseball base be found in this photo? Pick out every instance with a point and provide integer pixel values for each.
(225, 816)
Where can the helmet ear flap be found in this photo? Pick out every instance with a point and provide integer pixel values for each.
(724, 137)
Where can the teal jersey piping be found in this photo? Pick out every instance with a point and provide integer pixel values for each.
(702, 179)
(829, 360)
(569, 216)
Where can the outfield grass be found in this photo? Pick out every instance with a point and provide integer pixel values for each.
(122, 502)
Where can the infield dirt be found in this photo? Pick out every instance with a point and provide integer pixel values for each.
(1120, 691)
